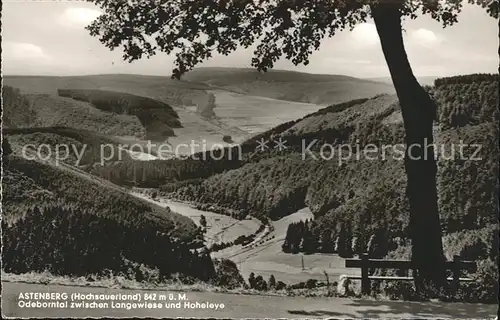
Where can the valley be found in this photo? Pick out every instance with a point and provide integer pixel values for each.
(250, 159)
(271, 214)
(238, 115)
(264, 255)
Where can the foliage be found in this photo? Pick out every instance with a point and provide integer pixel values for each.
(77, 242)
(280, 285)
(227, 139)
(227, 274)
(467, 79)
(275, 184)
(277, 28)
(478, 245)
(295, 30)
(251, 279)
(272, 282)
(242, 240)
(466, 100)
(16, 109)
(473, 244)
(161, 173)
(366, 200)
(260, 284)
(203, 221)
(6, 149)
(343, 129)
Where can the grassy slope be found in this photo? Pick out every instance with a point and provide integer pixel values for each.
(289, 85)
(16, 109)
(163, 89)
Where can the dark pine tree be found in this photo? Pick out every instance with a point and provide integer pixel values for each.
(6, 149)
(272, 282)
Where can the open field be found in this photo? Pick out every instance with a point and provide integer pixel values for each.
(246, 306)
(256, 114)
(237, 115)
(220, 228)
(266, 257)
(203, 133)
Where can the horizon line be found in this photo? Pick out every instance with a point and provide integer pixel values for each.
(385, 77)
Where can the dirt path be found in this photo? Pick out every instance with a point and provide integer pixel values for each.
(243, 306)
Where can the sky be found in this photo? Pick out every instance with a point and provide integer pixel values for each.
(48, 38)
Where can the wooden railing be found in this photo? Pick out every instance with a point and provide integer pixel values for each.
(366, 264)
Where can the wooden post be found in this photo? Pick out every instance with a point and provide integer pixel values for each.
(365, 281)
(456, 273)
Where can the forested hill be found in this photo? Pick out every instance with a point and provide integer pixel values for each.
(57, 220)
(276, 183)
(360, 203)
(364, 195)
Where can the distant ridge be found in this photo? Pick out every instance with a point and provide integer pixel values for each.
(426, 80)
(323, 89)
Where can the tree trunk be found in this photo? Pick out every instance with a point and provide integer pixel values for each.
(419, 112)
